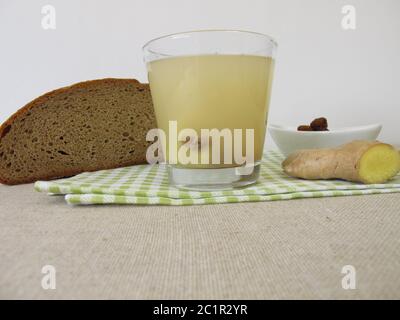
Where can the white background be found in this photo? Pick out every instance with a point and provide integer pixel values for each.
(351, 77)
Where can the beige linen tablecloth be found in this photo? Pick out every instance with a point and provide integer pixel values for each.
(282, 249)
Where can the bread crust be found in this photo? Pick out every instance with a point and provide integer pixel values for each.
(44, 98)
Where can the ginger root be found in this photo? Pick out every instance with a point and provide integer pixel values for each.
(358, 161)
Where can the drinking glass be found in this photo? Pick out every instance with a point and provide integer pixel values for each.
(211, 91)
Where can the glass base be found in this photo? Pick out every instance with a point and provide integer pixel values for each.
(213, 179)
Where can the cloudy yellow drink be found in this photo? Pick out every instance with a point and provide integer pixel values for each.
(213, 92)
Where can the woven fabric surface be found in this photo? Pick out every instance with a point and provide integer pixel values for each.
(252, 250)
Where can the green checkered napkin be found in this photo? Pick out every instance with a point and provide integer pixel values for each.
(148, 185)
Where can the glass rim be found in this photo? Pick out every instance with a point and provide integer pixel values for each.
(254, 33)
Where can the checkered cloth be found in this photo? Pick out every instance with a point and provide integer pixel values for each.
(148, 185)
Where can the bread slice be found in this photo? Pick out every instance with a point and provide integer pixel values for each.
(89, 126)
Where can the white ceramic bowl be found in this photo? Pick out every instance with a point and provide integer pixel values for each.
(288, 139)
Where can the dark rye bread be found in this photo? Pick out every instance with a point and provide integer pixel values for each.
(89, 126)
